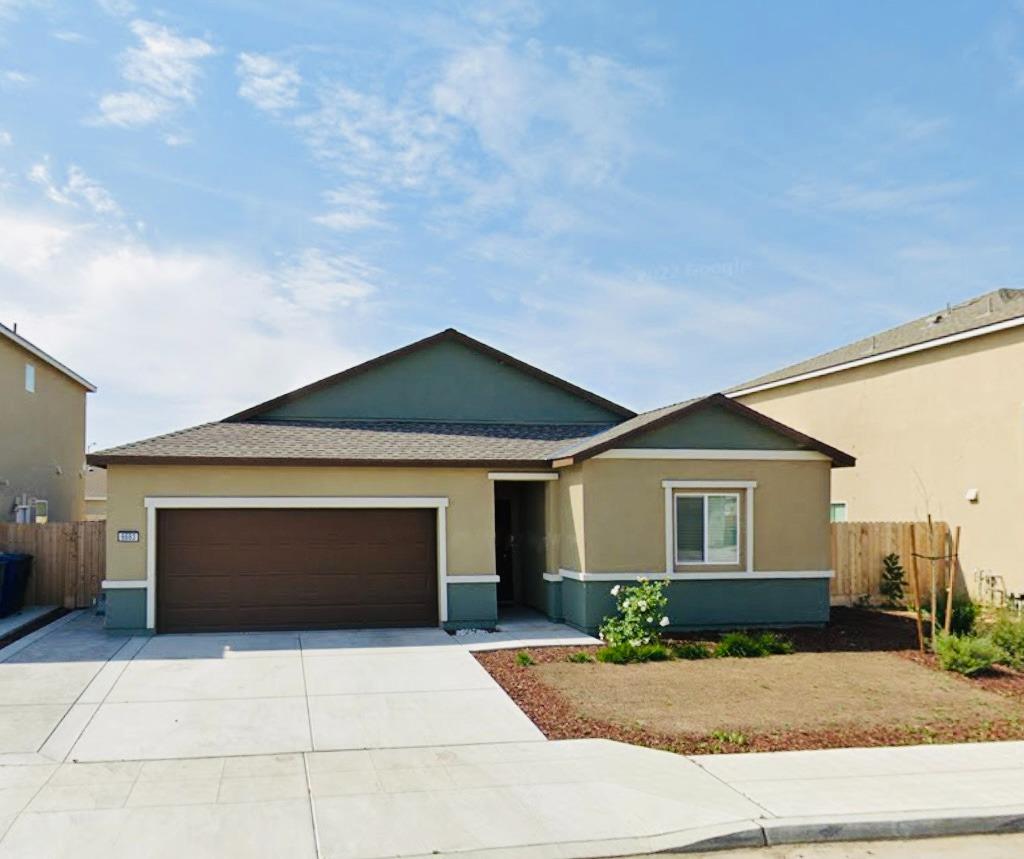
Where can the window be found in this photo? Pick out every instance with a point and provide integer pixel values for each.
(837, 511)
(30, 378)
(708, 528)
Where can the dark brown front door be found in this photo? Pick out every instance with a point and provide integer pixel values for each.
(295, 569)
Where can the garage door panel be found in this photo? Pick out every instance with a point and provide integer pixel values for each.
(295, 569)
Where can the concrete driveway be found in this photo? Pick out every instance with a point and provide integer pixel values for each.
(78, 694)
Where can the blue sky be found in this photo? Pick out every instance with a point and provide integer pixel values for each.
(203, 205)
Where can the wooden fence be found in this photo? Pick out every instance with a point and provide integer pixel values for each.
(858, 549)
(68, 560)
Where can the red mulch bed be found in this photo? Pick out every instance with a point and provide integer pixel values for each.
(850, 630)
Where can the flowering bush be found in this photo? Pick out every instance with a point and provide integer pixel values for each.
(641, 612)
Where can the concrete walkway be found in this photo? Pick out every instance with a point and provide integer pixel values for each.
(188, 745)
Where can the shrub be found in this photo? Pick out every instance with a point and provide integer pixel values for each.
(523, 659)
(735, 738)
(1008, 635)
(640, 612)
(624, 654)
(966, 654)
(751, 645)
(691, 650)
(893, 581)
(579, 656)
(965, 614)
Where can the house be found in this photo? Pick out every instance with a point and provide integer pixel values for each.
(934, 412)
(42, 434)
(95, 494)
(441, 481)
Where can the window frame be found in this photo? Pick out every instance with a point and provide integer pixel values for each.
(846, 511)
(30, 377)
(704, 495)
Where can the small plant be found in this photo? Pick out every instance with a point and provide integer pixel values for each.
(580, 656)
(691, 650)
(745, 645)
(965, 614)
(524, 660)
(966, 654)
(625, 654)
(640, 613)
(732, 738)
(1008, 635)
(893, 581)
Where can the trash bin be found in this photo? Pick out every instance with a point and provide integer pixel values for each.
(15, 568)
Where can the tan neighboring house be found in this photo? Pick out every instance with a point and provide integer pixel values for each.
(95, 494)
(933, 410)
(42, 434)
(440, 481)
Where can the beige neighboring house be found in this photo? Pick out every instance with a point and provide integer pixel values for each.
(95, 494)
(933, 410)
(42, 434)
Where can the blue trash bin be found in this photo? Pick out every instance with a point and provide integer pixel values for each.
(15, 568)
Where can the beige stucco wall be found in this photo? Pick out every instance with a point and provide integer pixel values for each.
(470, 509)
(570, 545)
(42, 436)
(623, 510)
(925, 428)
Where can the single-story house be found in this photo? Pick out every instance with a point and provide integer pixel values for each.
(439, 482)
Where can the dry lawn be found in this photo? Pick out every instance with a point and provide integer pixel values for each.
(800, 692)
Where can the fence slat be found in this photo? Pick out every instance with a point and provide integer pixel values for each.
(68, 560)
(859, 547)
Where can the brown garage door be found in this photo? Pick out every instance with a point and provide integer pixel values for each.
(295, 569)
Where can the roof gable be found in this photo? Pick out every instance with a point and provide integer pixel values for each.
(446, 377)
(712, 423)
(17, 340)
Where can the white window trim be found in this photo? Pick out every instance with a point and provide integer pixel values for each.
(670, 485)
(333, 502)
(846, 510)
(30, 377)
(695, 493)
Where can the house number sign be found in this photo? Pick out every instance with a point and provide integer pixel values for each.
(127, 536)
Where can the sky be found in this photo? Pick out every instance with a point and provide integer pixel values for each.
(205, 205)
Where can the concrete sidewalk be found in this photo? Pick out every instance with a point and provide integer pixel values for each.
(579, 798)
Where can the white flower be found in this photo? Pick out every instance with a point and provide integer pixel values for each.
(642, 605)
(615, 591)
(663, 622)
(642, 579)
(650, 620)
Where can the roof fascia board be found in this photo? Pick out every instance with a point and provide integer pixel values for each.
(883, 356)
(42, 356)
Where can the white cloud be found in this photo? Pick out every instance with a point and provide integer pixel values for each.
(5, 138)
(178, 336)
(267, 83)
(354, 208)
(15, 78)
(77, 189)
(881, 199)
(69, 36)
(163, 74)
(117, 8)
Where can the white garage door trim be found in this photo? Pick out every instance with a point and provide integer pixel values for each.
(332, 502)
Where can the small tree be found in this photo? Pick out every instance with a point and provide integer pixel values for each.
(893, 581)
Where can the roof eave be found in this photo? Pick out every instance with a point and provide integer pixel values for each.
(104, 460)
(17, 339)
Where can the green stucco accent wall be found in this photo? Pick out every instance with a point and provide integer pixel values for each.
(709, 604)
(446, 381)
(553, 601)
(712, 428)
(126, 610)
(472, 606)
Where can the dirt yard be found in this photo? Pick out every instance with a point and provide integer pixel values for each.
(860, 682)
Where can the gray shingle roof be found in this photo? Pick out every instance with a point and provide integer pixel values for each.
(625, 428)
(1001, 305)
(352, 441)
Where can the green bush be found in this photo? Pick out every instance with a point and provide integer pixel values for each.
(1008, 635)
(640, 612)
(523, 659)
(624, 654)
(751, 645)
(965, 614)
(893, 581)
(579, 656)
(966, 654)
(691, 650)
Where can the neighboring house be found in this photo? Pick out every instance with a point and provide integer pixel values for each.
(934, 412)
(432, 484)
(42, 434)
(95, 493)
